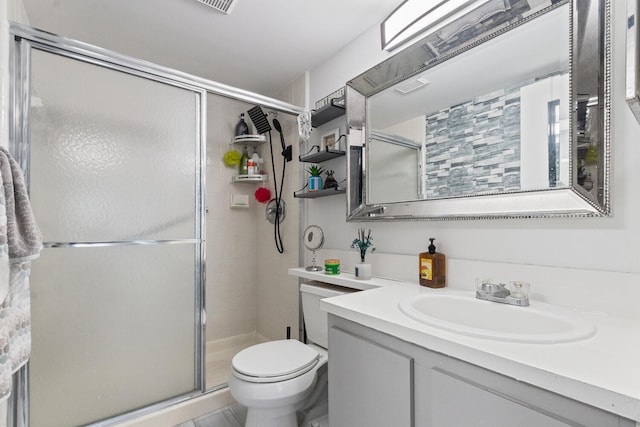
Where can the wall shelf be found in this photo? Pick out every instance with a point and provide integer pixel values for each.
(249, 140)
(320, 193)
(321, 156)
(249, 178)
(327, 113)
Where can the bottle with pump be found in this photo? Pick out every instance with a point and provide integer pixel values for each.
(433, 268)
(242, 128)
(256, 160)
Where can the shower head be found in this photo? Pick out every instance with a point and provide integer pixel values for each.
(259, 119)
(286, 150)
(276, 124)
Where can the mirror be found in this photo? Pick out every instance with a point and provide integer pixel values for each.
(502, 113)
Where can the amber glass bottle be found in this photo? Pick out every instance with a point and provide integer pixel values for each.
(433, 268)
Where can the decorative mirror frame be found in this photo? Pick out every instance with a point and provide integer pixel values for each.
(633, 58)
(572, 201)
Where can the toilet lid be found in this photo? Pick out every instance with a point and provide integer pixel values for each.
(275, 359)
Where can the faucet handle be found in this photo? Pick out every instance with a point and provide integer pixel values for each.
(483, 284)
(486, 286)
(519, 289)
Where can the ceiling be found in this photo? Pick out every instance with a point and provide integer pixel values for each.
(261, 46)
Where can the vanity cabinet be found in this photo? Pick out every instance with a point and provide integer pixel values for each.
(379, 380)
(372, 383)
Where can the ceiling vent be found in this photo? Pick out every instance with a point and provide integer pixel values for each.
(224, 6)
(410, 85)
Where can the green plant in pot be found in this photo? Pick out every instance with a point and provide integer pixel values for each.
(362, 243)
(315, 178)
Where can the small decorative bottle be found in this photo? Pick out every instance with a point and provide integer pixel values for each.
(433, 268)
(242, 128)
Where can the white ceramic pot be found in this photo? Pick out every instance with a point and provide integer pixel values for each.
(363, 271)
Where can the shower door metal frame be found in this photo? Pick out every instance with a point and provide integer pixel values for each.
(27, 38)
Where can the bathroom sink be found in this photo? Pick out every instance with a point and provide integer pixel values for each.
(463, 313)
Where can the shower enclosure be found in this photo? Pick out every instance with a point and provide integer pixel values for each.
(114, 153)
(113, 158)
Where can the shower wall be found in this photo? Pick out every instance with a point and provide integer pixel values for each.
(231, 233)
(248, 289)
(277, 292)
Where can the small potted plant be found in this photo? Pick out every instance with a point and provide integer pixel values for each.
(362, 244)
(315, 178)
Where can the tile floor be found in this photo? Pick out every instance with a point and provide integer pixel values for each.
(231, 416)
(235, 416)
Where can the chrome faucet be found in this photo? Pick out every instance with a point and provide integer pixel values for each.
(516, 294)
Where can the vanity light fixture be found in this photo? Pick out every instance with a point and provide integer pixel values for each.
(414, 17)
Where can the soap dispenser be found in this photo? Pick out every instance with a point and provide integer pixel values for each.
(433, 268)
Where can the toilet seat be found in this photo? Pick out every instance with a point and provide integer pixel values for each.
(274, 361)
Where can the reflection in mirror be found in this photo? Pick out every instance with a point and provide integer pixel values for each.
(487, 113)
(503, 130)
(395, 163)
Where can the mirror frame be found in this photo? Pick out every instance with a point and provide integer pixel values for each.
(571, 201)
(633, 58)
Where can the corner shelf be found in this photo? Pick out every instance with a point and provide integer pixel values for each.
(327, 113)
(249, 140)
(321, 156)
(249, 178)
(320, 193)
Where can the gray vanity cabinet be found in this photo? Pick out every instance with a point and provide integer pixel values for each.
(372, 384)
(376, 380)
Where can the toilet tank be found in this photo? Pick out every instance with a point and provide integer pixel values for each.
(315, 319)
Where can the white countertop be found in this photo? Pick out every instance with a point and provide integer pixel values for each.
(602, 371)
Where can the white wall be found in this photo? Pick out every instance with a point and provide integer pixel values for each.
(9, 10)
(592, 243)
(248, 288)
(231, 233)
(277, 292)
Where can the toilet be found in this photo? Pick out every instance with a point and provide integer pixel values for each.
(276, 379)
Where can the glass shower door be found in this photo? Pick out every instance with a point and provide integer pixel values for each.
(115, 181)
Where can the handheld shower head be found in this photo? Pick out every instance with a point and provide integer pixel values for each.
(259, 119)
(286, 150)
(276, 124)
